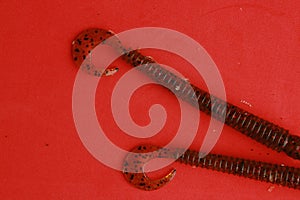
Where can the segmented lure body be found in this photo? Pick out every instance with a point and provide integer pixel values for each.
(261, 130)
(262, 171)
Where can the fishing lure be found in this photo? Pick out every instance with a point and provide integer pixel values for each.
(263, 131)
(133, 169)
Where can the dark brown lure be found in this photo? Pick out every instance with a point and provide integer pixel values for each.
(261, 171)
(263, 131)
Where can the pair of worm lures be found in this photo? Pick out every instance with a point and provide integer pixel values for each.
(263, 131)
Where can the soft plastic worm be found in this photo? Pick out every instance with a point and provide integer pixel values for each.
(261, 130)
(261, 171)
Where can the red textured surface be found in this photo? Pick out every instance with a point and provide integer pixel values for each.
(254, 44)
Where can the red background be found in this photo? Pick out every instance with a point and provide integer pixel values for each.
(255, 45)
